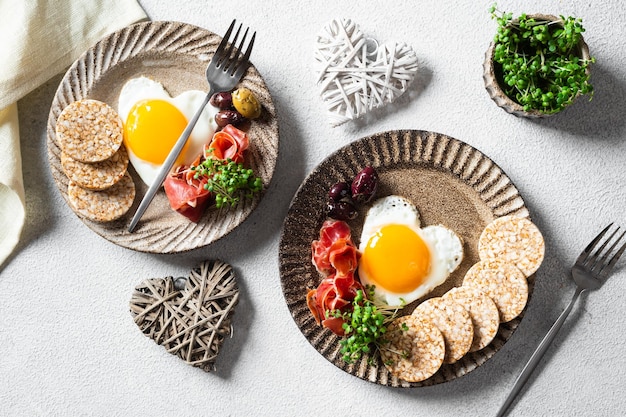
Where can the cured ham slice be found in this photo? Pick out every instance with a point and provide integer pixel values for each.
(187, 197)
(229, 143)
(241, 137)
(336, 257)
(334, 251)
(335, 324)
(343, 257)
(334, 294)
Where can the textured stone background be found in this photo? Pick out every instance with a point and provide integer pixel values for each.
(68, 345)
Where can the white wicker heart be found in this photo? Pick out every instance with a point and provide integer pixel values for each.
(356, 75)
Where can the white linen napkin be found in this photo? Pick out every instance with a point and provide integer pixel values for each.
(41, 38)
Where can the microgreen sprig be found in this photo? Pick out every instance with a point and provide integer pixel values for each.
(364, 326)
(539, 61)
(228, 180)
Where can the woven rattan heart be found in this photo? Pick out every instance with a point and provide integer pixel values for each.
(189, 317)
(356, 75)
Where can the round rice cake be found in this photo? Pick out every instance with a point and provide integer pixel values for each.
(415, 348)
(453, 321)
(89, 131)
(503, 282)
(516, 240)
(105, 205)
(98, 175)
(483, 313)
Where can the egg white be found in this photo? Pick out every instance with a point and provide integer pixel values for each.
(188, 103)
(445, 247)
(393, 209)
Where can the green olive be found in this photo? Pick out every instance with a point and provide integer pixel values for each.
(246, 103)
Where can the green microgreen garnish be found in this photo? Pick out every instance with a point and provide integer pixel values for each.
(228, 180)
(364, 326)
(539, 61)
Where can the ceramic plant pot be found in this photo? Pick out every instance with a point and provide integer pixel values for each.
(492, 76)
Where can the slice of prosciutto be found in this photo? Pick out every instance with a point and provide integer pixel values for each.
(336, 257)
(228, 143)
(333, 294)
(186, 195)
(334, 252)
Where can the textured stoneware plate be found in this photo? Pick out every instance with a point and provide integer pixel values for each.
(176, 55)
(450, 182)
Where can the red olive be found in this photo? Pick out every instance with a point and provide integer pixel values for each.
(222, 100)
(226, 117)
(341, 210)
(339, 192)
(364, 185)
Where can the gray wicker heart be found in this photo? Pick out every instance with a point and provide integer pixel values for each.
(356, 75)
(190, 317)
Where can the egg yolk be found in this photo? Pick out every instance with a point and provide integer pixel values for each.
(152, 128)
(396, 258)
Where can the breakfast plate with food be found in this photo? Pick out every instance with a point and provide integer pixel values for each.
(407, 258)
(116, 115)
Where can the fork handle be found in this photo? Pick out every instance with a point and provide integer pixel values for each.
(538, 354)
(168, 163)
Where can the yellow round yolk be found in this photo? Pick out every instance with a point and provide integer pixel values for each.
(396, 259)
(152, 128)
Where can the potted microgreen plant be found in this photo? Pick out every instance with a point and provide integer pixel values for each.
(537, 65)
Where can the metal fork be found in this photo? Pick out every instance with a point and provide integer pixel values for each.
(589, 272)
(223, 73)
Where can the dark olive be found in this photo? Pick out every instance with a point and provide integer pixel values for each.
(226, 117)
(341, 210)
(364, 185)
(339, 192)
(222, 101)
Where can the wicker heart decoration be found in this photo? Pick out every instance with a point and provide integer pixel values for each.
(191, 316)
(356, 75)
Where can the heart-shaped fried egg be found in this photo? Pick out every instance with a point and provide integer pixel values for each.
(402, 260)
(153, 122)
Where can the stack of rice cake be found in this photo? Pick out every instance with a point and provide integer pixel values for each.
(90, 134)
(466, 319)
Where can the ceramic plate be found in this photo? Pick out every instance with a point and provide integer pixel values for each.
(176, 55)
(450, 182)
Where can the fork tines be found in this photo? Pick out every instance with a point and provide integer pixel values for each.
(232, 56)
(597, 261)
